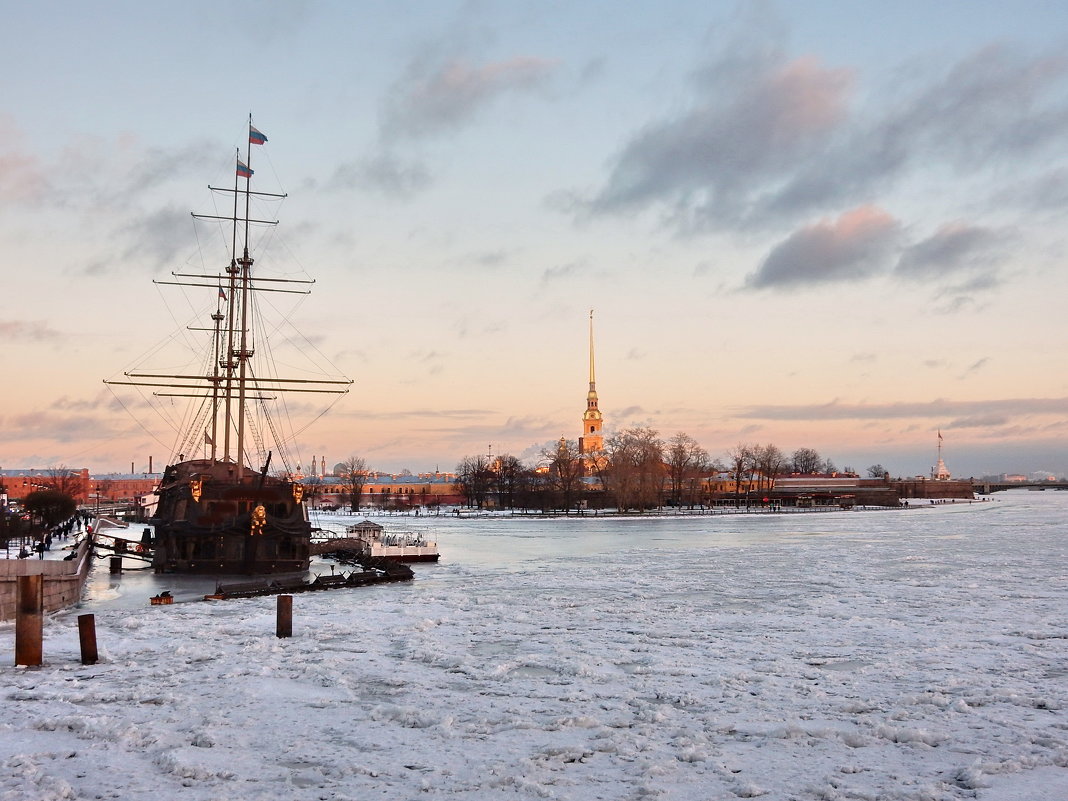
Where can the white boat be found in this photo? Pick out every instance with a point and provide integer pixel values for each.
(400, 546)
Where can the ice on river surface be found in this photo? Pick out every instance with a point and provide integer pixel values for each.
(913, 654)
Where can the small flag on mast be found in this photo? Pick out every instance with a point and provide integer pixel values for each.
(222, 294)
(243, 170)
(256, 136)
(939, 434)
(207, 439)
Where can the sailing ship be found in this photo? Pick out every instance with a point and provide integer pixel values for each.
(216, 512)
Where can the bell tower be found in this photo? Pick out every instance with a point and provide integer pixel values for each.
(592, 440)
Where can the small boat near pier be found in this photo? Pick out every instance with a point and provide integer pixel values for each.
(374, 542)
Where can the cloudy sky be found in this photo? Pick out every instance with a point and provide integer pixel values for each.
(816, 224)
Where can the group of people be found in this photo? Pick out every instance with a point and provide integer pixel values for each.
(62, 531)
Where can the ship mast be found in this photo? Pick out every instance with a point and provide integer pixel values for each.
(232, 375)
(244, 354)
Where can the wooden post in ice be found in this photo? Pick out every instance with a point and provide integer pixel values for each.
(284, 627)
(87, 638)
(115, 565)
(29, 621)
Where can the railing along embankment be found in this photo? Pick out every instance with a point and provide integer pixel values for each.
(64, 579)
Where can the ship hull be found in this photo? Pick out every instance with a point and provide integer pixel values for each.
(210, 521)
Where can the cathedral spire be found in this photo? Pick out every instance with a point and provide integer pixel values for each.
(593, 379)
(591, 440)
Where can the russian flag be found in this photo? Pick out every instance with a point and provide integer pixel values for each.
(255, 136)
(242, 170)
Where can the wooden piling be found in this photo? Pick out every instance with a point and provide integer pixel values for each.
(284, 627)
(29, 621)
(87, 638)
(115, 565)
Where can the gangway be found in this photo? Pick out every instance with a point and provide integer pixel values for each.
(112, 544)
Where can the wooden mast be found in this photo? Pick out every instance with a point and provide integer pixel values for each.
(245, 262)
(226, 386)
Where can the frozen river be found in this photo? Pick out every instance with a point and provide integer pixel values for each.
(913, 654)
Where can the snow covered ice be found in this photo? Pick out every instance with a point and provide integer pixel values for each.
(913, 654)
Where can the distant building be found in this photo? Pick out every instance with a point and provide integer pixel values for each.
(21, 483)
(387, 491)
(940, 472)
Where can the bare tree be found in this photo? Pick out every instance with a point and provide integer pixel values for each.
(353, 474)
(474, 479)
(635, 467)
(566, 469)
(770, 462)
(740, 467)
(508, 475)
(806, 460)
(877, 471)
(65, 480)
(685, 460)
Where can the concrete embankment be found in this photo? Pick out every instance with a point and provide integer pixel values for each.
(64, 580)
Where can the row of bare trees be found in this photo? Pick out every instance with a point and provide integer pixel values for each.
(637, 470)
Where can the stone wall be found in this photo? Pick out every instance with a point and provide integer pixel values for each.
(929, 488)
(63, 580)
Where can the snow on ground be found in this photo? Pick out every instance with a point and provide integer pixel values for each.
(856, 655)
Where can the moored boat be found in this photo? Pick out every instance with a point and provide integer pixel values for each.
(217, 513)
(400, 546)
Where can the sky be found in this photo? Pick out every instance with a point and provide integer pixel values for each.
(820, 224)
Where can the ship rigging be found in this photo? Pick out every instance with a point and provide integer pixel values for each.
(224, 513)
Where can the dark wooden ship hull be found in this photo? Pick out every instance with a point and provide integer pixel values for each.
(210, 522)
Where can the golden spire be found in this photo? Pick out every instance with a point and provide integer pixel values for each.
(591, 440)
(593, 380)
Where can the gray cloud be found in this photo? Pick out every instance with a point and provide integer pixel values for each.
(384, 173)
(23, 178)
(766, 139)
(156, 166)
(489, 258)
(990, 420)
(435, 96)
(429, 414)
(716, 160)
(977, 365)
(29, 330)
(568, 270)
(156, 237)
(856, 245)
(58, 427)
(937, 409)
(956, 247)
